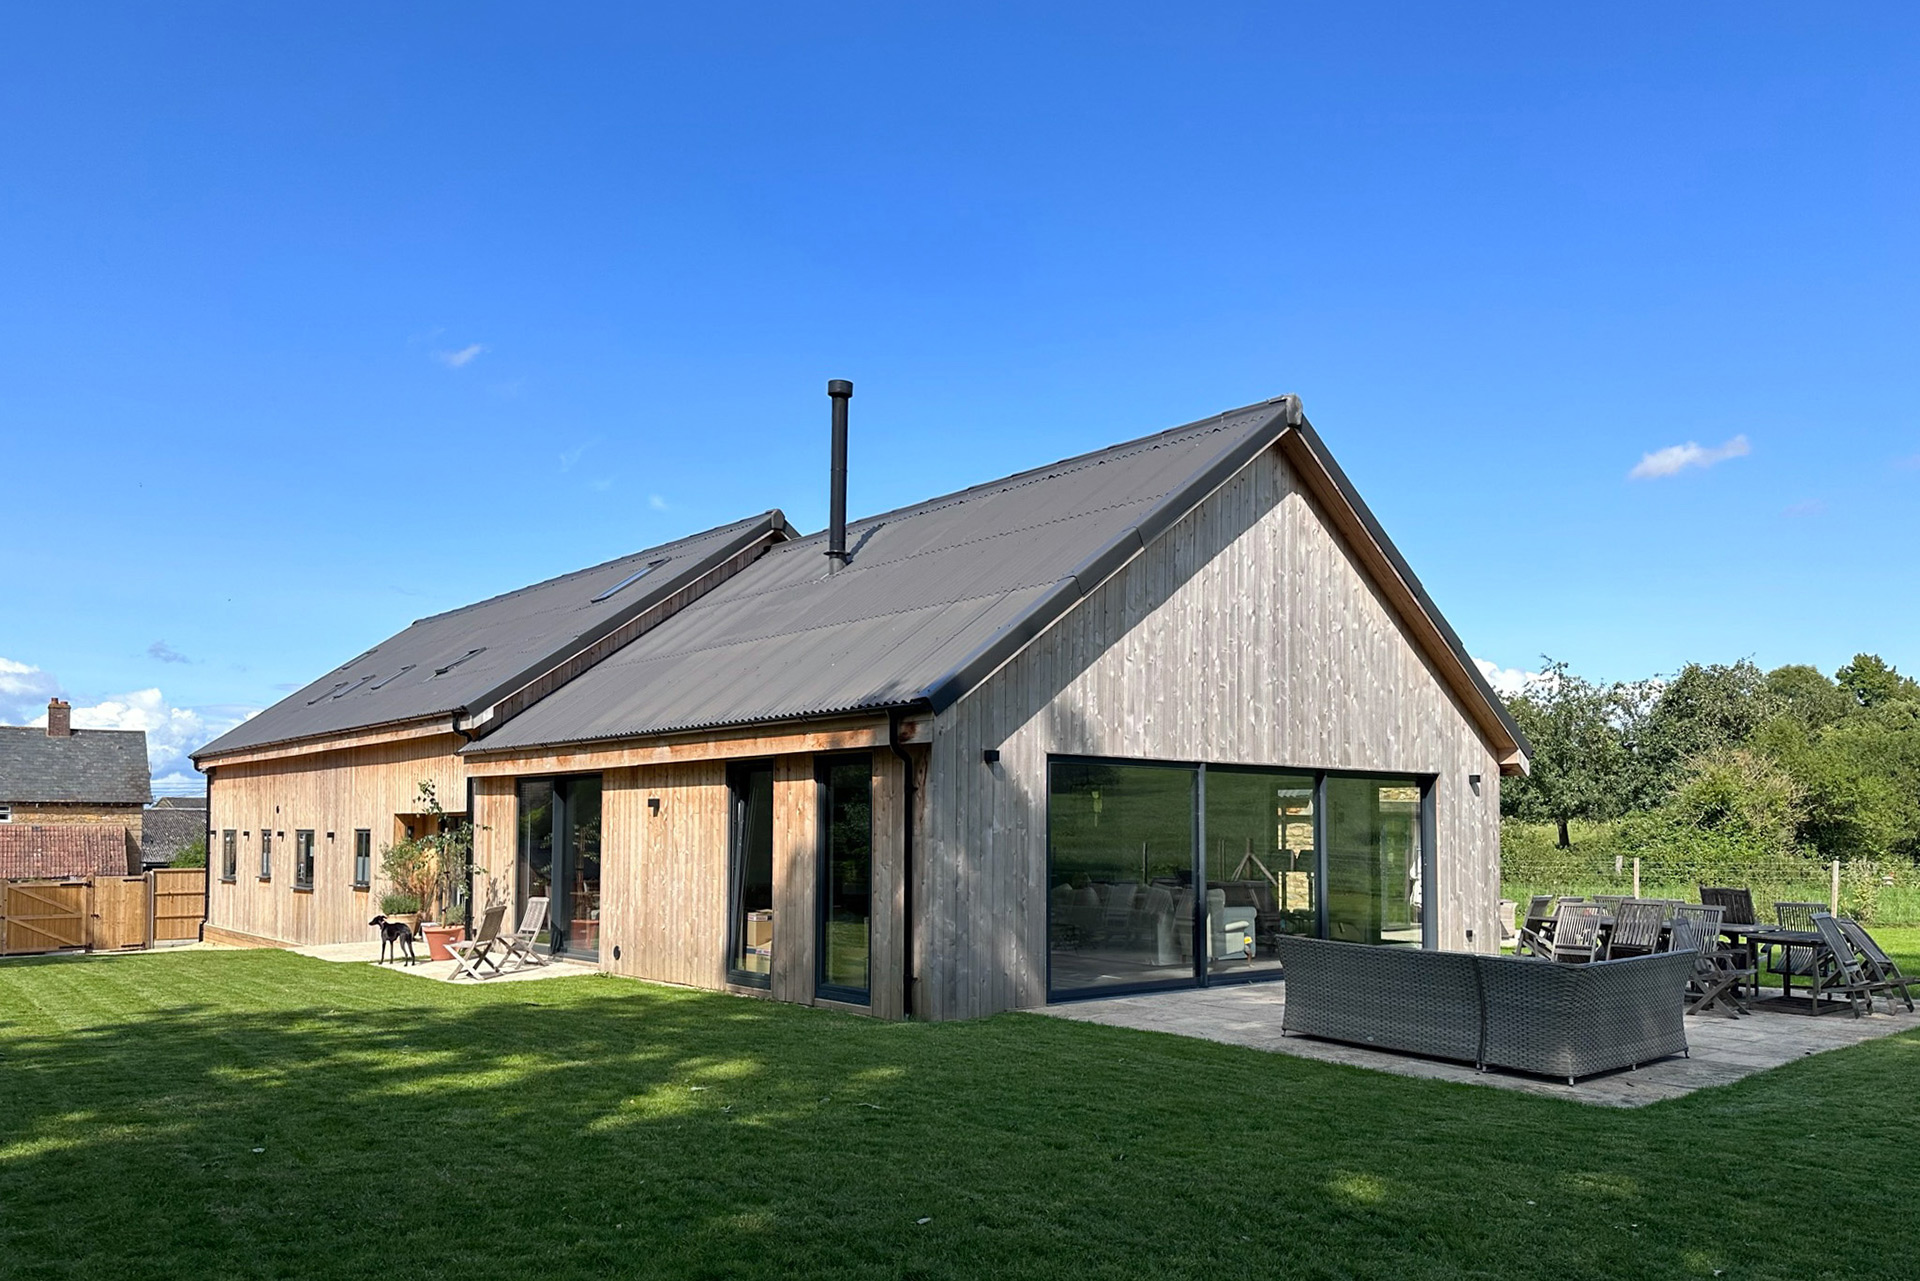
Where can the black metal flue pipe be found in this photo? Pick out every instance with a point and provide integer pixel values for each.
(841, 391)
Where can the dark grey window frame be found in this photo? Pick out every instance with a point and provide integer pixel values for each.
(362, 858)
(266, 854)
(229, 856)
(1202, 977)
(737, 793)
(303, 857)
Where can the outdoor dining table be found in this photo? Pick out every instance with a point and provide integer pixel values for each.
(1759, 936)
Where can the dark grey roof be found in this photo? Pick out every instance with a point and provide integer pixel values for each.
(934, 598)
(165, 830)
(197, 802)
(466, 659)
(87, 767)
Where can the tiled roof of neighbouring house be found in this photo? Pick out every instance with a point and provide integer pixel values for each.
(62, 849)
(86, 767)
(165, 830)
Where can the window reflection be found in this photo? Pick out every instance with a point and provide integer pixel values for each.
(1373, 860)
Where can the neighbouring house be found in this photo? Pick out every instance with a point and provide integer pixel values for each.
(170, 825)
(1112, 724)
(71, 799)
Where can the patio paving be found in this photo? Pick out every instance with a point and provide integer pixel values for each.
(1723, 1049)
(442, 971)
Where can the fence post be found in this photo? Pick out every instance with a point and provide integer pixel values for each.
(1636, 876)
(1833, 892)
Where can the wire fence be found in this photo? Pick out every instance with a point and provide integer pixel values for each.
(1883, 892)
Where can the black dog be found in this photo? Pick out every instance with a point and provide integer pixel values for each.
(395, 936)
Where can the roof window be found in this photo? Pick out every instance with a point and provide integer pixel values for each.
(328, 693)
(631, 579)
(356, 685)
(396, 676)
(442, 671)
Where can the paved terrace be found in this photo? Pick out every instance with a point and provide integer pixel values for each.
(1723, 1049)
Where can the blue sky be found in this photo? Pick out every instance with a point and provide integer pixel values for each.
(318, 321)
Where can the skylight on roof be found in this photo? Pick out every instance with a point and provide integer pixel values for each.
(356, 685)
(442, 671)
(327, 693)
(396, 676)
(631, 579)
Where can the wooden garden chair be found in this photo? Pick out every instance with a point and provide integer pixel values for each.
(1576, 933)
(1879, 966)
(1536, 928)
(1637, 925)
(517, 947)
(1839, 969)
(478, 951)
(1717, 972)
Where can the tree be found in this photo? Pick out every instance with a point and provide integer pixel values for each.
(192, 854)
(1579, 754)
(1802, 692)
(1872, 681)
(1708, 707)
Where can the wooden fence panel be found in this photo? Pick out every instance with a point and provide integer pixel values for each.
(179, 903)
(119, 917)
(43, 916)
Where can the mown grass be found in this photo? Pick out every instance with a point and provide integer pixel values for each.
(257, 1114)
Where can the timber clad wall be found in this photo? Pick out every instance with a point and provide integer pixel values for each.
(1245, 635)
(664, 877)
(337, 792)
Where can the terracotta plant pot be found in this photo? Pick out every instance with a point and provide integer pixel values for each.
(438, 936)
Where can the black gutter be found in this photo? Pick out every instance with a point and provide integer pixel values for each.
(906, 862)
(1103, 564)
(206, 873)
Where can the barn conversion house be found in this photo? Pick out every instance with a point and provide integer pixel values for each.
(1118, 722)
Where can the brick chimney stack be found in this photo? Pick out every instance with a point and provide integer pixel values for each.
(59, 718)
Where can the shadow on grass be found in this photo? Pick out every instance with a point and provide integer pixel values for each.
(259, 1114)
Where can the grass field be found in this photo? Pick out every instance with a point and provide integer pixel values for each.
(257, 1114)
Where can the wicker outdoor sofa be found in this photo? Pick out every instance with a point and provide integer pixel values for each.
(1492, 1011)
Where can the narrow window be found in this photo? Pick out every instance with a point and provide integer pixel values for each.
(362, 858)
(750, 868)
(303, 860)
(229, 855)
(846, 878)
(266, 855)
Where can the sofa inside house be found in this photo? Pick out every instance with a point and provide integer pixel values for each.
(1156, 918)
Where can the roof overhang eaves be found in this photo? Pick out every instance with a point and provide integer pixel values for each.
(332, 740)
(485, 748)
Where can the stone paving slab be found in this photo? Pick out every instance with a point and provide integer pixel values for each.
(1723, 1049)
(441, 970)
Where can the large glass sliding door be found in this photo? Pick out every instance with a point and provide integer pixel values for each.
(559, 859)
(1274, 852)
(1121, 906)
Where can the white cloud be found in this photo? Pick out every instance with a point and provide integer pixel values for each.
(24, 691)
(172, 732)
(459, 359)
(1677, 458)
(1506, 681)
(656, 502)
(568, 457)
(166, 653)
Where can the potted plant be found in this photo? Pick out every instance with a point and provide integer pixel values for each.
(450, 928)
(400, 906)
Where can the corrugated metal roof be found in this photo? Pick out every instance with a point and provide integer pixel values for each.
(87, 767)
(468, 658)
(933, 597)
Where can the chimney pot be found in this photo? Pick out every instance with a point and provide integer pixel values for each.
(59, 718)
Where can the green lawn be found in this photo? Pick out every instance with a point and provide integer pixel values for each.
(240, 1114)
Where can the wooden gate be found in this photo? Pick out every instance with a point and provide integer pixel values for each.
(119, 917)
(42, 916)
(179, 903)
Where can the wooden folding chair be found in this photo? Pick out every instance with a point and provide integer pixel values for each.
(518, 946)
(1576, 932)
(1839, 969)
(1537, 928)
(1637, 924)
(1880, 967)
(478, 951)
